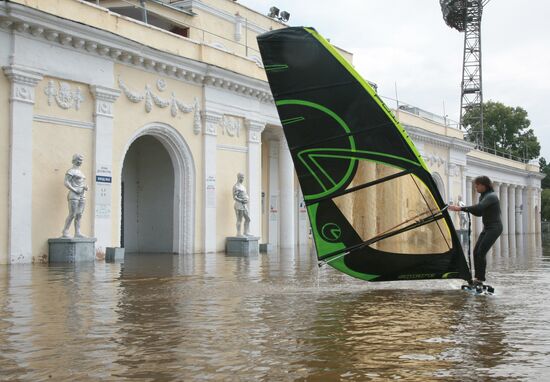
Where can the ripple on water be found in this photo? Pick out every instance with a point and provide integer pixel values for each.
(271, 317)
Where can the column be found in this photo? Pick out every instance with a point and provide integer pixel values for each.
(525, 210)
(519, 210)
(477, 220)
(468, 193)
(255, 129)
(512, 210)
(286, 187)
(504, 210)
(103, 163)
(273, 201)
(538, 211)
(530, 212)
(21, 109)
(303, 220)
(211, 121)
(497, 247)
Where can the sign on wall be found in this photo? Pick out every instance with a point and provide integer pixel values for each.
(103, 182)
(210, 192)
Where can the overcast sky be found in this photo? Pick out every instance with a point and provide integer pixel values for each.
(405, 44)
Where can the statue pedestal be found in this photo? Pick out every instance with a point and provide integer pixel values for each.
(242, 245)
(266, 247)
(114, 254)
(71, 249)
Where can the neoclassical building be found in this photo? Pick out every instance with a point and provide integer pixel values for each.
(168, 101)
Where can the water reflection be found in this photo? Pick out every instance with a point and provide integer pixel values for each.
(273, 316)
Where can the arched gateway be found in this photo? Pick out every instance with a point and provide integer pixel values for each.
(158, 161)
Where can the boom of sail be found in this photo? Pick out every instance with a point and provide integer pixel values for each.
(375, 210)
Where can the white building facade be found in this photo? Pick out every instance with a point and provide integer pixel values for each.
(166, 116)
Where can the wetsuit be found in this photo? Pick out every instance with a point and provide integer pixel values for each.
(489, 209)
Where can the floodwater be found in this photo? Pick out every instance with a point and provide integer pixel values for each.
(271, 317)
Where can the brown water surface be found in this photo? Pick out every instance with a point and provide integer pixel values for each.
(272, 317)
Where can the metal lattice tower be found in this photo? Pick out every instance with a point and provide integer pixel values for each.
(465, 16)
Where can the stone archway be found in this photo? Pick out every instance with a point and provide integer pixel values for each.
(183, 172)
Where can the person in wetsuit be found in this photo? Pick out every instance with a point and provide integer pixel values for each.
(489, 209)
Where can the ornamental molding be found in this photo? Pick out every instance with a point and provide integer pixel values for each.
(433, 159)
(22, 75)
(211, 121)
(418, 134)
(255, 129)
(104, 99)
(65, 97)
(70, 35)
(22, 93)
(103, 93)
(63, 121)
(474, 163)
(150, 99)
(238, 149)
(23, 80)
(453, 170)
(230, 126)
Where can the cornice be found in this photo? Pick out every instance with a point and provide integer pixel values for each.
(422, 135)
(496, 166)
(103, 93)
(23, 76)
(88, 40)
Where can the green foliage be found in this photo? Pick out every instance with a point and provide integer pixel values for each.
(506, 129)
(545, 169)
(545, 207)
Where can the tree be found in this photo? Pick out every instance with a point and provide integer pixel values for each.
(506, 129)
(545, 201)
(545, 169)
(545, 184)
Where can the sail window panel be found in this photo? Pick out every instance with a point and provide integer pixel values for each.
(426, 239)
(393, 205)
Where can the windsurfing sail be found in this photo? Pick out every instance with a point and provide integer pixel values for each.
(375, 210)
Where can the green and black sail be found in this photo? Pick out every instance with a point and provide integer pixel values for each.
(375, 210)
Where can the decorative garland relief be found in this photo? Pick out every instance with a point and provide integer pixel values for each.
(151, 99)
(230, 126)
(64, 95)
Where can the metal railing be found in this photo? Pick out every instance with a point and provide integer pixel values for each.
(447, 122)
(203, 33)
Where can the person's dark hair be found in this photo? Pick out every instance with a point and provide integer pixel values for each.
(484, 180)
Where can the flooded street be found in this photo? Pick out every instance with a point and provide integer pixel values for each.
(271, 317)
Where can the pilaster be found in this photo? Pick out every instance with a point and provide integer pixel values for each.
(478, 223)
(519, 210)
(211, 121)
(496, 187)
(504, 211)
(530, 205)
(22, 95)
(274, 202)
(538, 211)
(103, 163)
(255, 129)
(469, 200)
(512, 209)
(286, 179)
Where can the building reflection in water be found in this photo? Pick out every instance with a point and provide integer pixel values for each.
(274, 316)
